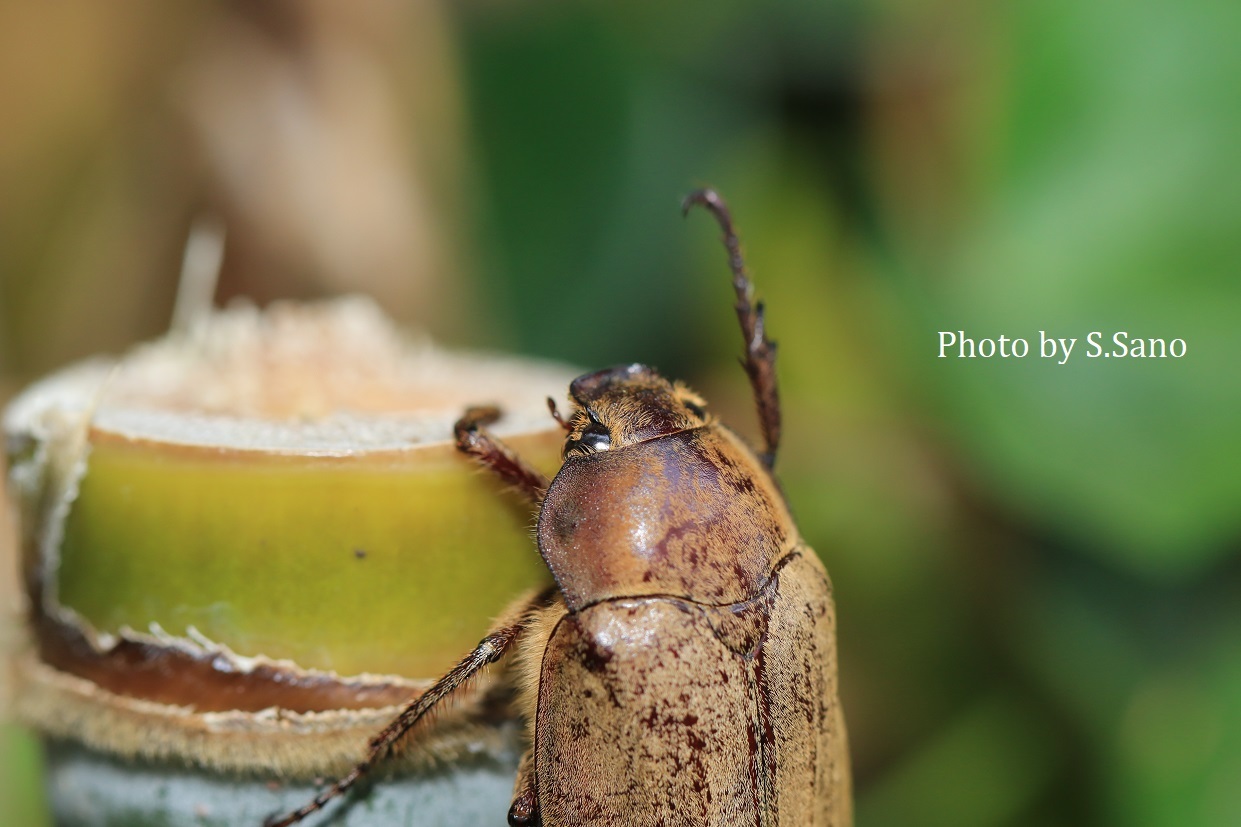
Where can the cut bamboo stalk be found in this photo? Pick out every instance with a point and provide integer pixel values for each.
(245, 545)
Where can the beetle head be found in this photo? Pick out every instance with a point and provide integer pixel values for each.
(625, 405)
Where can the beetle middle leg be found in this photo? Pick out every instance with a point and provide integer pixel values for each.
(524, 811)
(760, 352)
(489, 650)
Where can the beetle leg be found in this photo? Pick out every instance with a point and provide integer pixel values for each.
(555, 412)
(760, 352)
(474, 439)
(489, 650)
(524, 811)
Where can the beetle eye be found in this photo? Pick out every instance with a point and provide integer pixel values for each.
(594, 439)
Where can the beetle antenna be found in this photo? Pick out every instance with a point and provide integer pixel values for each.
(760, 352)
(551, 406)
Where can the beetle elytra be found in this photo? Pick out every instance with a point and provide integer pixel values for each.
(682, 671)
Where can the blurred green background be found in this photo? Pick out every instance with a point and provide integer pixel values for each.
(1037, 566)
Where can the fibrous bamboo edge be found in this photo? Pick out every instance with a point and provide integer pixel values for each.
(277, 742)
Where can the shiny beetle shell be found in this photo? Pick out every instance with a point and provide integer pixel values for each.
(690, 679)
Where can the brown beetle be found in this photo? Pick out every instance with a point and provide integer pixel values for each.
(683, 670)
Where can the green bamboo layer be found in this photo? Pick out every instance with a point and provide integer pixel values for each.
(390, 562)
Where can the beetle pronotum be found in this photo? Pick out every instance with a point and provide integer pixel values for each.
(683, 669)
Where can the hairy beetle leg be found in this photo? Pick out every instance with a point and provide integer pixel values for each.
(760, 352)
(524, 811)
(473, 439)
(489, 650)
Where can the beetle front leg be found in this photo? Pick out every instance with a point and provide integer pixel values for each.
(760, 352)
(524, 811)
(475, 440)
